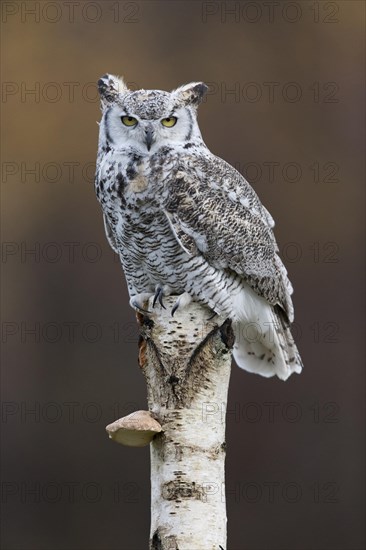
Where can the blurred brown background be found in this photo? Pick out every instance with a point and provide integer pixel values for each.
(286, 108)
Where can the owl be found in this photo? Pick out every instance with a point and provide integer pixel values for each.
(185, 223)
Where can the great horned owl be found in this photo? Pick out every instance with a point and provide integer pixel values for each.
(184, 222)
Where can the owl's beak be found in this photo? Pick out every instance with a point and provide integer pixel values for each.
(149, 138)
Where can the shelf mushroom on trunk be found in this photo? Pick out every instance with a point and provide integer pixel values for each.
(135, 430)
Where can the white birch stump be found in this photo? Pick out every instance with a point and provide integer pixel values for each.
(186, 360)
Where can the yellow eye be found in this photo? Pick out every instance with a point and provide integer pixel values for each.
(129, 120)
(169, 122)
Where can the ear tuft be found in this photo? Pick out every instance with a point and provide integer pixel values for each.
(191, 94)
(109, 87)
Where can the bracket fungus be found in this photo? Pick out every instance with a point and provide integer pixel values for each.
(134, 430)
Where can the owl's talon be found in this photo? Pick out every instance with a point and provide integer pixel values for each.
(159, 296)
(157, 293)
(161, 300)
(139, 309)
(137, 301)
(183, 300)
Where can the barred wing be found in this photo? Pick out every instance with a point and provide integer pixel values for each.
(213, 211)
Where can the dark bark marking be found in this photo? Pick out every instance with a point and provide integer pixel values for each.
(182, 490)
(160, 542)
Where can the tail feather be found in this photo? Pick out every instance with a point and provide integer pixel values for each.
(269, 350)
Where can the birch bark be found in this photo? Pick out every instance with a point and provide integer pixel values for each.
(186, 361)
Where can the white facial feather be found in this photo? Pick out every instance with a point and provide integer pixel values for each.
(123, 136)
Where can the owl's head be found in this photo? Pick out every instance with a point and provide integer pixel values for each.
(148, 119)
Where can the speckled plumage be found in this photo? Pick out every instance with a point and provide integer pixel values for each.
(185, 222)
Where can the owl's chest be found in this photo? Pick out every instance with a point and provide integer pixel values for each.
(148, 244)
(124, 185)
(125, 189)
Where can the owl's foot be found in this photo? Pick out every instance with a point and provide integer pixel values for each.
(159, 294)
(183, 300)
(137, 302)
